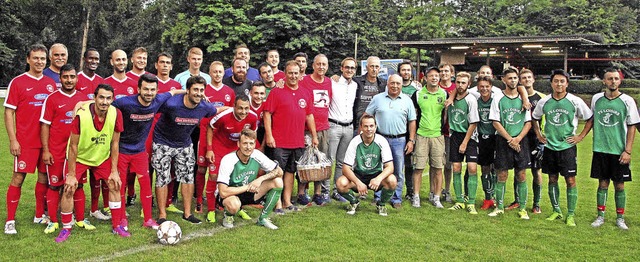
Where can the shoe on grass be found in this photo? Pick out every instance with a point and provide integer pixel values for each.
(555, 215)
(278, 211)
(338, 197)
(522, 214)
(303, 200)
(536, 209)
(486, 204)
(193, 219)
(198, 209)
(211, 217)
(496, 212)
(10, 227)
(318, 200)
(120, 231)
(243, 214)
(227, 221)
(382, 210)
(513, 205)
(266, 223)
(173, 209)
(64, 235)
(571, 221)
(44, 219)
(472, 209)
(621, 224)
(457, 206)
(598, 222)
(85, 224)
(291, 208)
(100, 215)
(351, 208)
(415, 201)
(51, 227)
(437, 203)
(150, 223)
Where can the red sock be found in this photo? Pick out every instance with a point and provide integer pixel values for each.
(95, 192)
(53, 200)
(116, 213)
(211, 199)
(123, 187)
(66, 220)
(41, 192)
(13, 198)
(105, 193)
(145, 196)
(78, 203)
(201, 179)
(170, 192)
(131, 184)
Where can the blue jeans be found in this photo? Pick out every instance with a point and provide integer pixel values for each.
(397, 151)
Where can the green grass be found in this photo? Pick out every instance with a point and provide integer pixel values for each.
(327, 233)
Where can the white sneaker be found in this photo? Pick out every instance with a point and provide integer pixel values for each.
(621, 224)
(598, 222)
(267, 223)
(431, 197)
(351, 209)
(99, 215)
(437, 203)
(41, 220)
(496, 212)
(227, 221)
(415, 201)
(10, 228)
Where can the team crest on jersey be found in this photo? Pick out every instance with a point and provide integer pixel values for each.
(54, 179)
(606, 117)
(227, 97)
(440, 100)
(22, 165)
(130, 90)
(69, 113)
(367, 162)
(246, 126)
(173, 88)
(200, 159)
(50, 88)
(302, 103)
(212, 168)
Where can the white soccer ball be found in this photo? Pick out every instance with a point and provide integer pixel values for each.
(169, 233)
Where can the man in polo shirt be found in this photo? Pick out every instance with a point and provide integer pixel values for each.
(395, 112)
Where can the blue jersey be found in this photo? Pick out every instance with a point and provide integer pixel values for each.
(137, 121)
(177, 121)
(252, 74)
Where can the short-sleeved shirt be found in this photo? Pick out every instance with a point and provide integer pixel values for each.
(57, 112)
(534, 99)
(322, 94)
(508, 111)
(462, 113)
(234, 173)
(610, 120)
(135, 77)
(227, 129)
(411, 88)
(431, 110)
(177, 122)
(242, 88)
(166, 86)
(485, 126)
(122, 87)
(184, 76)
(368, 160)
(88, 84)
(258, 112)
(25, 95)
(289, 109)
(277, 76)
(561, 119)
(119, 127)
(252, 73)
(53, 75)
(392, 114)
(343, 98)
(137, 121)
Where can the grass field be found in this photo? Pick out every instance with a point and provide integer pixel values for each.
(328, 234)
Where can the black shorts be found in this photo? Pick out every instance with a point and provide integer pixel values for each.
(507, 158)
(366, 179)
(246, 198)
(471, 153)
(533, 144)
(563, 162)
(607, 167)
(287, 158)
(260, 134)
(486, 149)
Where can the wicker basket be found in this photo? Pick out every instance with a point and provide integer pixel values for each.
(313, 173)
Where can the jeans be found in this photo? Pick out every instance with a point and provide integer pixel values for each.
(339, 138)
(397, 151)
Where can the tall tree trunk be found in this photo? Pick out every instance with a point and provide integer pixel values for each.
(85, 35)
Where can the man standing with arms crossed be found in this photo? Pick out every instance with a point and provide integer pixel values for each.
(614, 118)
(562, 112)
(23, 104)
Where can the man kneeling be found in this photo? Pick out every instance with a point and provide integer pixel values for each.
(239, 184)
(368, 164)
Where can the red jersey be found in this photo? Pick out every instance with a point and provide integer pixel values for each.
(135, 77)
(26, 95)
(166, 86)
(278, 76)
(321, 99)
(258, 112)
(57, 112)
(119, 127)
(88, 84)
(289, 109)
(123, 87)
(227, 130)
(225, 96)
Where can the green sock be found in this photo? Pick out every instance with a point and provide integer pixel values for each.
(572, 200)
(554, 196)
(270, 202)
(494, 181)
(486, 186)
(621, 201)
(523, 192)
(537, 191)
(457, 186)
(500, 194)
(385, 196)
(601, 200)
(349, 196)
(516, 193)
(473, 187)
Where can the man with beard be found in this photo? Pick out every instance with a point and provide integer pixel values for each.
(121, 83)
(238, 81)
(243, 52)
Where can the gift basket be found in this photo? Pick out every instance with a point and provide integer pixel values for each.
(314, 166)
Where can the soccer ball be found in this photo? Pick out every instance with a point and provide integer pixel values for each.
(169, 233)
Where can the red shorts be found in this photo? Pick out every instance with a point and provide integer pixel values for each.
(55, 172)
(136, 163)
(202, 155)
(101, 172)
(28, 160)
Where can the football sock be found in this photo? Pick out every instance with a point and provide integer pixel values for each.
(201, 180)
(516, 193)
(602, 200)
(123, 188)
(537, 191)
(500, 186)
(572, 200)
(145, 196)
(523, 192)
(78, 203)
(270, 202)
(466, 182)
(349, 196)
(385, 196)
(53, 200)
(211, 199)
(457, 186)
(13, 198)
(554, 196)
(67, 220)
(472, 184)
(486, 186)
(105, 193)
(494, 181)
(116, 213)
(131, 184)
(95, 193)
(621, 200)
(40, 193)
